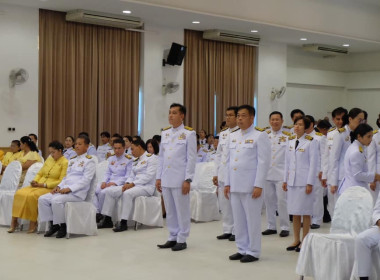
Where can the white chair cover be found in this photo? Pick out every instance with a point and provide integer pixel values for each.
(203, 199)
(81, 216)
(101, 169)
(148, 211)
(31, 173)
(331, 256)
(8, 187)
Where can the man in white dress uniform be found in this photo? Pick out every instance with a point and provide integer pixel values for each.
(175, 172)
(248, 160)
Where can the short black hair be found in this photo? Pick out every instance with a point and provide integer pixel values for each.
(129, 138)
(26, 140)
(117, 135)
(118, 141)
(223, 124)
(216, 137)
(296, 111)
(339, 111)
(233, 108)
(276, 113)
(139, 142)
(136, 137)
(105, 134)
(249, 108)
(365, 115)
(361, 130)
(305, 120)
(157, 138)
(182, 108)
(83, 133)
(33, 135)
(56, 145)
(324, 124)
(154, 144)
(17, 142)
(85, 138)
(311, 118)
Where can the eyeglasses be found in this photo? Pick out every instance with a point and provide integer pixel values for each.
(230, 116)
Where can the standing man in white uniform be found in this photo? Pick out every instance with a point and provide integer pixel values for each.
(274, 196)
(248, 161)
(373, 153)
(220, 171)
(175, 172)
(74, 187)
(366, 242)
(294, 114)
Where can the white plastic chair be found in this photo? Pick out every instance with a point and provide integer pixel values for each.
(81, 216)
(148, 211)
(331, 256)
(204, 203)
(8, 187)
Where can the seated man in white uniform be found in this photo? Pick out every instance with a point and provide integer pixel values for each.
(141, 182)
(74, 187)
(91, 148)
(366, 242)
(106, 146)
(118, 170)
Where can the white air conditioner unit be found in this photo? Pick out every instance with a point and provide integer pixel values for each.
(103, 19)
(325, 49)
(231, 37)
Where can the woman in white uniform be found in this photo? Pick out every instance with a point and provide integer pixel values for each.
(301, 160)
(355, 161)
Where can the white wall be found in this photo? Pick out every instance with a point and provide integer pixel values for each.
(156, 105)
(18, 48)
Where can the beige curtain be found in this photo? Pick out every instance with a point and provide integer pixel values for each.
(88, 79)
(216, 68)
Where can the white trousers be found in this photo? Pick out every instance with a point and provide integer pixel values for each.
(332, 198)
(365, 242)
(113, 194)
(225, 207)
(178, 215)
(318, 203)
(51, 207)
(247, 218)
(99, 198)
(276, 199)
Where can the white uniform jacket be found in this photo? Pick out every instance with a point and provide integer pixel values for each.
(373, 153)
(301, 162)
(69, 153)
(143, 173)
(279, 143)
(118, 169)
(79, 174)
(178, 156)
(326, 152)
(248, 160)
(102, 151)
(376, 211)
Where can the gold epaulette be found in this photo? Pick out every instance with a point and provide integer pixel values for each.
(259, 128)
(89, 157)
(148, 155)
(308, 137)
(288, 126)
(224, 129)
(292, 137)
(360, 149)
(73, 157)
(189, 128)
(269, 131)
(205, 150)
(375, 131)
(332, 129)
(111, 155)
(319, 134)
(286, 133)
(128, 156)
(341, 130)
(266, 127)
(136, 159)
(166, 128)
(109, 145)
(235, 130)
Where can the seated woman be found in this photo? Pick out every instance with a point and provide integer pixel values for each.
(69, 151)
(14, 154)
(25, 203)
(152, 147)
(29, 155)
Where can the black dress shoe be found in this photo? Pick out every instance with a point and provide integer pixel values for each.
(106, 223)
(99, 217)
(298, 249)
(179, 246)
(284, 233)
(248, 258)
(292, 248)
(168, 244)
(269, 232)
(62, 231)
(53, 229)
(236, 257)
(232, 237)
(120, 228)
(315, 226)
(224, 236)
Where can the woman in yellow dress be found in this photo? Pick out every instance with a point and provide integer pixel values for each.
(25, 203)
(29, 155)
(14, 154)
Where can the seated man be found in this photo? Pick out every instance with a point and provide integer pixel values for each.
(91, 148)
(141, 182)
(106, 146)
(367, 241)
(119, 167)
(74, 187)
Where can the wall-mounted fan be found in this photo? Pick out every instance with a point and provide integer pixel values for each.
(17, 76)
(277, 93)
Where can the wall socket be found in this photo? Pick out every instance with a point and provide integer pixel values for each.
(11, 129)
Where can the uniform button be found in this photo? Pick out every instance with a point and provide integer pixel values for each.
(237, 151)
(168, 157)
(168, 166)
(236, 159)
(273, 157)
(239, 142)
(273, 164)
(235, 168)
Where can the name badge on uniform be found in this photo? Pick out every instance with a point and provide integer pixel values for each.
(301, 150)
(250, 141)
(347, 138)
(234, 140)
(123, 164)
(71, 163)
(167, 134)
(81, 164)
(282, 139)
(143, 162)
(182, 136)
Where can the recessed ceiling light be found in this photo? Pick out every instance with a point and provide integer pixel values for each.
(127, 12)
(303, 39)
(196, 22)
(346, 45)
(254, 31)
